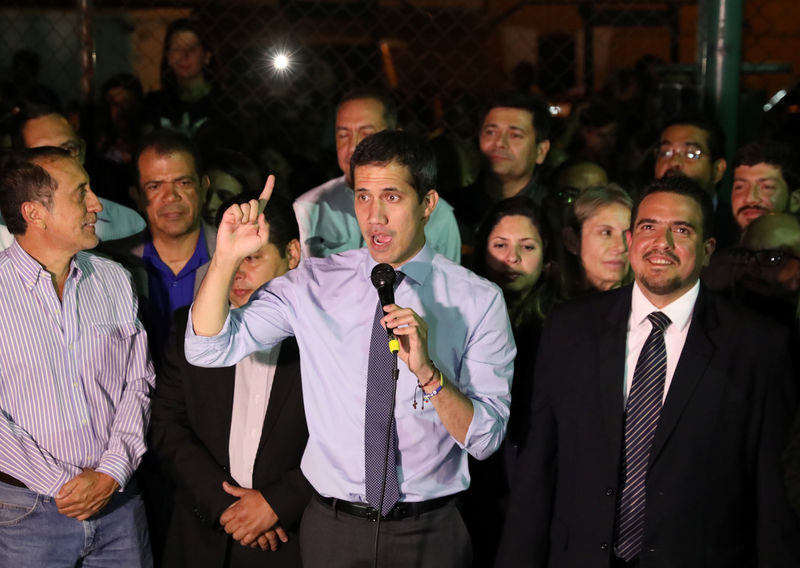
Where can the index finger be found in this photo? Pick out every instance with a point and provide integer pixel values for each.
(266, 193)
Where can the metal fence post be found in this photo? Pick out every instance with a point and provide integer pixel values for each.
(723, 65)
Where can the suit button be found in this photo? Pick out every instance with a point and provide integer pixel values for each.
(609, 491)
(604, 546)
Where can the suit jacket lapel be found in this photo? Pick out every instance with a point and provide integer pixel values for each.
(611, 365)
(695, 358)
(286, 376)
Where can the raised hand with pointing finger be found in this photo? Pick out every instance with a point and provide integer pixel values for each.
(243, 229)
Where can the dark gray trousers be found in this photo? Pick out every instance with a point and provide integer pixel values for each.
(332, 539)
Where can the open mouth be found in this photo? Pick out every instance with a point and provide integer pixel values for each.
(381, 239)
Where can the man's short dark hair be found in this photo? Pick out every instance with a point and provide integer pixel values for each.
(409, 150)
(167, 141)
(687, 187)
(539, 109)
(390, 111)
(716, 136)
(279, 216)
(22, 179)
(28, 111)
(773, 153)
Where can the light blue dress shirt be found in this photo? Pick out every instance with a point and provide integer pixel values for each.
(327, 219)
(329, 305)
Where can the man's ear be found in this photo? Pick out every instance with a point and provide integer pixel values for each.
(34, 214)
(542, 148)
(794, 201)
(293, 253)
(719, 169)
(709, 245)
(571, 240)
(430, 200)
(205, 183)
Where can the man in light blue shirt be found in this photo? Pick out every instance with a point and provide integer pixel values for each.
(325, 214)
(456, 350)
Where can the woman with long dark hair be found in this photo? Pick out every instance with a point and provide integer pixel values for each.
(512, 251)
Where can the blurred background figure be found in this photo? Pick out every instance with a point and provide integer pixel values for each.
(564, 186)
(596, 256)
(118, 129)
(513, 244)
(230, 173)
(192, 98)
(24, 85)
(770, 267)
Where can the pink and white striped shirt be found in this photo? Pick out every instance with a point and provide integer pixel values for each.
(75, 375)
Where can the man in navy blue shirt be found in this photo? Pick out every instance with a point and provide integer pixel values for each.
(168, 259)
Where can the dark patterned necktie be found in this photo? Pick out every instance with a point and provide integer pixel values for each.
(379, 418)
(641, 418)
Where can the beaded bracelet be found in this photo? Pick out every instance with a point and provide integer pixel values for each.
(426, 397)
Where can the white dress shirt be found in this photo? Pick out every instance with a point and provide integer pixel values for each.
(254, 377)
(679, 312)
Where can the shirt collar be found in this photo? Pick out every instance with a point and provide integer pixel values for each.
(418, 268)
(679, 311)
(199, 256)
(30, 270)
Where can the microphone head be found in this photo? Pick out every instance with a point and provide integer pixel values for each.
(383, 275)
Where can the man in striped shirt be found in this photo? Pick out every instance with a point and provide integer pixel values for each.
(75, 377)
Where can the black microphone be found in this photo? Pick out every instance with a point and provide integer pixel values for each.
(383, 278)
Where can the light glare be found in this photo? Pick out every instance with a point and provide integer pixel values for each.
(281, 62)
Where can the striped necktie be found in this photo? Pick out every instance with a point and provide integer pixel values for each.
(641, 419)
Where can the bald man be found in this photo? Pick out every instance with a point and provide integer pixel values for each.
(772, 270)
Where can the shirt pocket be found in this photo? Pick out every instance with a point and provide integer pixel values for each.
(119, 331)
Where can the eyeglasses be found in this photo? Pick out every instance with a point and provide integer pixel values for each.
(567, 194)
(74, 148)
(766, 258)
(689, 154)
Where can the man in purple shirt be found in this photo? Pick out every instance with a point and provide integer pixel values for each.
(75, 377)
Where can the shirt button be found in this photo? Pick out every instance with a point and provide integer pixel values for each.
(83, 421)
(70, 346)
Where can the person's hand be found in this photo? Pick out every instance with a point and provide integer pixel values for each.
(85, 494)
(243, 229)
(250, 518)
(271, 540)
(412, 333)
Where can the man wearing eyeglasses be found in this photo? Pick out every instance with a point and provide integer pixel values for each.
(37, 126)
(769, 260)
(692, 146)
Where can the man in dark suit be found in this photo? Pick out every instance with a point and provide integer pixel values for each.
(657, 444)
(233, 437)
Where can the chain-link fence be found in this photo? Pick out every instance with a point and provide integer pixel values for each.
(438, 56)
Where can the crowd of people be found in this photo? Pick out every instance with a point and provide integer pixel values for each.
(578, 354)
